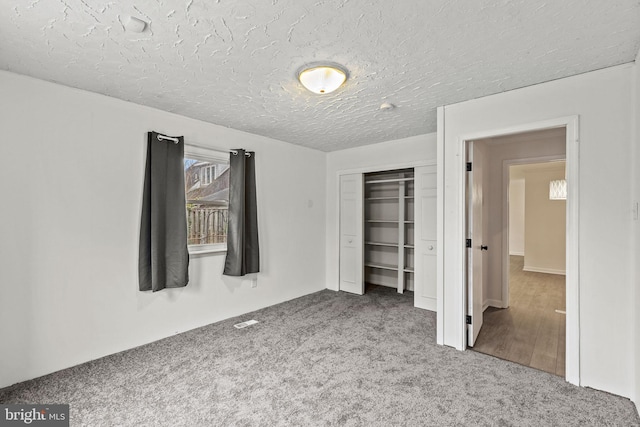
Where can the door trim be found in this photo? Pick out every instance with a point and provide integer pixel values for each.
(505, 214)
(455, 333)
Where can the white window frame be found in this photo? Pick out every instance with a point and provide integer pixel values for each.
(208, 174)
(212, 156)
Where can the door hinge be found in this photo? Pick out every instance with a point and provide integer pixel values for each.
(468, 243)
(468, 320)
(469, 167)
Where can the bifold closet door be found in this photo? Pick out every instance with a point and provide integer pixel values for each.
(351, 239)
(425, 237)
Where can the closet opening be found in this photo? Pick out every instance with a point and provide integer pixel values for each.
(389, 228)
(388, 231)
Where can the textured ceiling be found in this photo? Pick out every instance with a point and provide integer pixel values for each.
(234, 63)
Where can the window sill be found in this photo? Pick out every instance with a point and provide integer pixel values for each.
(197, 251)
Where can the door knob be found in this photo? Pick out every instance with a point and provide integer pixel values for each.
(484, 247)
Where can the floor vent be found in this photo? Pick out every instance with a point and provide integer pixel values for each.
(245, 324)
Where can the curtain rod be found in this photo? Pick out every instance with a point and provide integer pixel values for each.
(175, 140)
(167, 138)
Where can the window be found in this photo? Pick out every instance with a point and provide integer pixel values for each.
(205, 172)
(206, 179)
(210, 172)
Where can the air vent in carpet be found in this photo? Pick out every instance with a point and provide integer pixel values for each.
(245, 324)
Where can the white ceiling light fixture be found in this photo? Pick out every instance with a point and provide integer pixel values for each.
(322, 78)
(558, 189)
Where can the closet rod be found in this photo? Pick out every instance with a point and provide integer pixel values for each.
(176, 140)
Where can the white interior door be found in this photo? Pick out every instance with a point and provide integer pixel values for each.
(474, 233)
(425, 248)
(351, 239)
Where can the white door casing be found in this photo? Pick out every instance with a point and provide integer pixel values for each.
(451, 327)
(506, 164)
(351, 239)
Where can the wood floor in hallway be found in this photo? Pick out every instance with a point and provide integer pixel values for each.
(530, 331)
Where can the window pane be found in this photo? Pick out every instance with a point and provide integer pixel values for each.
(207, 202)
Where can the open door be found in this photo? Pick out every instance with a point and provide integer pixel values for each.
(351, 241)
(475, 245)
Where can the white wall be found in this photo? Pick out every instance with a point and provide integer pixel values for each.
(516, 217)
(71, 175)
(545, 224)
(603, 100)
(407, 152)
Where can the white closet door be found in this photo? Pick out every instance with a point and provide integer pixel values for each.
(425, 237)
(351, 239)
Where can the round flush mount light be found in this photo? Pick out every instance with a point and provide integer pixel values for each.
(386, 106)
(322, 78)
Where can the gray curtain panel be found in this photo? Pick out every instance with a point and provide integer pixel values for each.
(164, 259)
(243, 254)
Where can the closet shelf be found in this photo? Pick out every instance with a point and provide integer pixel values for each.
(389, 204)
(391, 245)
(381, 266)
(381, 181)
(382, 198)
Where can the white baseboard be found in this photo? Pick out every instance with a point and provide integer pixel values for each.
(491, 303)
(426, 303)
(516, 253)
(544, 270)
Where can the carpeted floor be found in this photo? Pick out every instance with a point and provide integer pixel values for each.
(328, 358)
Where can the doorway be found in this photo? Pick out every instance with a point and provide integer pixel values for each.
(454, 130)
(528, 324)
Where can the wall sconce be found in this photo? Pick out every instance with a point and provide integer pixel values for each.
(558, 190)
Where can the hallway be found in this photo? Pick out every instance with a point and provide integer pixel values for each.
(530, 332)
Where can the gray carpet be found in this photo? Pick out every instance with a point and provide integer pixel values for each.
(328, 358)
